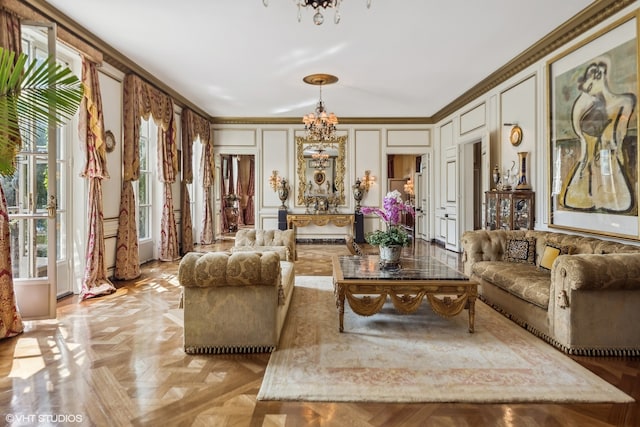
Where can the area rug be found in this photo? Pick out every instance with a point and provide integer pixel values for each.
(420, 357)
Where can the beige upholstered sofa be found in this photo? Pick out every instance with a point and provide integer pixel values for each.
(281, 241)
(234, 303)
(587, 302)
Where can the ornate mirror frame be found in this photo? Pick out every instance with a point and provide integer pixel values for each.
(340, 143)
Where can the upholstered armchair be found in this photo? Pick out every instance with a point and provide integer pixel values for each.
(281, 241)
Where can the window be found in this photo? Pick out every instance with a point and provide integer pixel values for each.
(145, 182)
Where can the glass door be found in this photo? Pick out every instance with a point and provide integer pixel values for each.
(32, 204)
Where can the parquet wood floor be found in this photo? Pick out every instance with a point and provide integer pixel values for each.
(118, 361)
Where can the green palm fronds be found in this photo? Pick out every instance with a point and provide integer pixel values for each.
(31, 94)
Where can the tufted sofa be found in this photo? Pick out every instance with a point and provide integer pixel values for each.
(281, 241)
(588, 300)
(234, 303)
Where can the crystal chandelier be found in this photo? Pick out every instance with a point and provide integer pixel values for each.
(319, 158)
(320, 126)
(318, 18)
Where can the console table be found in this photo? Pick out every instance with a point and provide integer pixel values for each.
(302, 220)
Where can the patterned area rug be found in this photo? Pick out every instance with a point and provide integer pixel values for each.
(421, 357)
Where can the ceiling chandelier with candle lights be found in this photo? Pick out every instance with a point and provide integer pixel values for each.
(320, 126)
(316, 5)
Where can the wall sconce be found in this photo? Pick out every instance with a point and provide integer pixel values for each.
(274, 180)
(367, 180)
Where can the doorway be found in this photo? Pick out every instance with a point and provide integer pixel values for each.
(237, 185)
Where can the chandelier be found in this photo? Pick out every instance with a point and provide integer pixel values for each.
(318, 18)
(320, 126)
(319, 158)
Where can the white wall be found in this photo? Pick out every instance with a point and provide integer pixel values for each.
(274, 147)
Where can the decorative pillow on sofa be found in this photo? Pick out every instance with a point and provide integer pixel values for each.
(521, 250)
(551, 252)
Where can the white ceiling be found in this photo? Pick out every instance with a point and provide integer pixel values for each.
(236, 58)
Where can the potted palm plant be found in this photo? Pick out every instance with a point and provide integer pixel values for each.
(35, 92)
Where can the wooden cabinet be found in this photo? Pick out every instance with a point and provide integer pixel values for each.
(510, 210)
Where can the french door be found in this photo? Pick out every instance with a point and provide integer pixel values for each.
(32, 199)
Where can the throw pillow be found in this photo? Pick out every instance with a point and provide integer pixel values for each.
(521, 250)
(551, 252)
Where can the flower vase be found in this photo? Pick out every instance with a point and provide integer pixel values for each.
(523, 183)
(390, 257)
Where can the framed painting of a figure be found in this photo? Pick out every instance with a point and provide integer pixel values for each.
(593, 125)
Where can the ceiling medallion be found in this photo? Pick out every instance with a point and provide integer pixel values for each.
(318, 18)
(319, 126)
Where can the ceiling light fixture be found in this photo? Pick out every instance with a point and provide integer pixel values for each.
(318, 18)
(320, 126)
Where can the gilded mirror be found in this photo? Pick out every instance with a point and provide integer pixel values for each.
(329, 177)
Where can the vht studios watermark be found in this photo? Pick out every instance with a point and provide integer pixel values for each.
(43, 418)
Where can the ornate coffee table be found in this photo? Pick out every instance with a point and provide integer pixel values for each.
(366, 287)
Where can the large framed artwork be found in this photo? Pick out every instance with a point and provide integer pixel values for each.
(593, 124)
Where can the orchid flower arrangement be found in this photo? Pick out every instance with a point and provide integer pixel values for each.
(391, 214)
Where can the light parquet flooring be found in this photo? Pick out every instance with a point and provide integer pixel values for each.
(118, 361)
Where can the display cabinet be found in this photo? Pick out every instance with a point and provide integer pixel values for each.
(510, 210)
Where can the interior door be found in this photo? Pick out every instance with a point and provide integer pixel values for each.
(33, 205)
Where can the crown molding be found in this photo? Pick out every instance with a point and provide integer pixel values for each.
(597, 12)
(343, 120)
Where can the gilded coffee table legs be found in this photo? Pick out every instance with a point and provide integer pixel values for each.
(339, 293)
(471, 306)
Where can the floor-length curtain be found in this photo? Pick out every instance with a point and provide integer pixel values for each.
(206, 168)
(10, 319)
(224, 225)
(168, 166)
(91, 132)
(239, 191)
(249, 210)
(141, 101)
(194, 126)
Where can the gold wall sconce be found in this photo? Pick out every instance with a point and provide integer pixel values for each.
(367, 180)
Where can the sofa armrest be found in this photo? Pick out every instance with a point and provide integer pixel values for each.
(597, 271)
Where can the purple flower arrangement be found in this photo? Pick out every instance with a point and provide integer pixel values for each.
(391, 214)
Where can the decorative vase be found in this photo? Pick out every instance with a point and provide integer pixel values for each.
(390, 257)
(523, 183)
(283, 193)
(358, 194)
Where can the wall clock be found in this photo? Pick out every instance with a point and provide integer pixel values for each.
(516, 135)
(109, 141)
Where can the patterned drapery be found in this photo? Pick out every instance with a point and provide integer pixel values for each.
(249, 214)
(239, 194)
(10, 319)
(168, 165)
(224, 225)
(193, 126)
(141, 101)
(91, 132)
(206, 171)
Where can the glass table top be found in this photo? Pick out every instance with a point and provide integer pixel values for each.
(411, 268)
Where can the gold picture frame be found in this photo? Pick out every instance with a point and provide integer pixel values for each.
(593, 127)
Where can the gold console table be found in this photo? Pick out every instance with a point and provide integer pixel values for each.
(302, 220)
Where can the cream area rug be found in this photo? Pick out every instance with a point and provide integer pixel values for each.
(420, 357)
